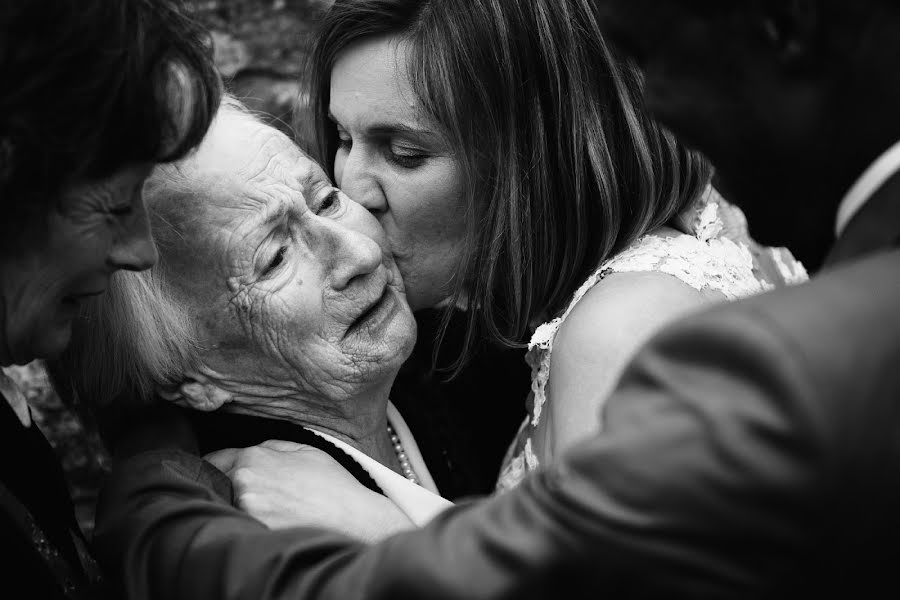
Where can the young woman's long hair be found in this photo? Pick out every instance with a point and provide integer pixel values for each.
(562, 166)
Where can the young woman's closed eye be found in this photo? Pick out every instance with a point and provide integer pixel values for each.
(395, 151)
(406, 156)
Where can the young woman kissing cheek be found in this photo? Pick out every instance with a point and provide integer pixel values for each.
(395, 161)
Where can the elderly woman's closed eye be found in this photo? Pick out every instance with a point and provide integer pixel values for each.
(276, 310)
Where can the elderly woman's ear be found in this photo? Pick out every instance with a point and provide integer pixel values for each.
(196, 391)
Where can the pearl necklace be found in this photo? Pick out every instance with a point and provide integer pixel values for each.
(405, 466)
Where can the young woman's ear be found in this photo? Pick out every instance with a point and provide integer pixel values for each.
(198, 392)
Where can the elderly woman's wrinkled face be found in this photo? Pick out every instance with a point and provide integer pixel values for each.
(97, 228)
(291, 279)
(396, 162)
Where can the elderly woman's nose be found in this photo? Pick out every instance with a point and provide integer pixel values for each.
(353, 254)
(134, 249)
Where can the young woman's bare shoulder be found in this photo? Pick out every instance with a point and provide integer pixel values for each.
(597, 340)
(625, 305)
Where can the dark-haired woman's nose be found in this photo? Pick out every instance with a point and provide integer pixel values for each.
(133, 248)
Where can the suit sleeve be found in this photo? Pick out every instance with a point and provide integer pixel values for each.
(699, 485)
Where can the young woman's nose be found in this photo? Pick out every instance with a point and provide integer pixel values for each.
(133, 249)
(356, 178)
(352, 254)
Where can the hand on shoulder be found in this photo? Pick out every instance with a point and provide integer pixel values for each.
(284, 484)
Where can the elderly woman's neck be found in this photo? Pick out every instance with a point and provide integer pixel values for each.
(359, 419)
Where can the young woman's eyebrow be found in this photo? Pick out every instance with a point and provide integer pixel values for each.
(388, 128)
(394, 128)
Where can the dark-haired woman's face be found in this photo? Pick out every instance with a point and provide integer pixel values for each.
(395, 161)
(98, 228)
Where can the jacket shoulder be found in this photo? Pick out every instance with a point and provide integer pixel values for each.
(841, 329)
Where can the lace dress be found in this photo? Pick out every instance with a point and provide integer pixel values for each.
(718, 254)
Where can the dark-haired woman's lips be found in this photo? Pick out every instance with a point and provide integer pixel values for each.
(84, 295)
(75, 300)
(376, 315)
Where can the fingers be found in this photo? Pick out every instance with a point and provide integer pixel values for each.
(282, 445)
(224, 460)
(230, 459)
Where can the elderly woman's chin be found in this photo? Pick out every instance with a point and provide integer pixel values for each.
(384, 335)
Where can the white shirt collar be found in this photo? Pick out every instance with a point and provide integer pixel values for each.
(873, 178)
(420, 503)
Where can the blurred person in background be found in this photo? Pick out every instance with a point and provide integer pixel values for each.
(94, 94)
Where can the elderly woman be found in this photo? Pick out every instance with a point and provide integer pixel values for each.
(94, 93)
(276, 312)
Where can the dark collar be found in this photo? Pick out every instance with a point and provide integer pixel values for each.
(875, 227)
(30, 470)
(218, 430)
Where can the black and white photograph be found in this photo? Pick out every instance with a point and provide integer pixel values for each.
(449, 299)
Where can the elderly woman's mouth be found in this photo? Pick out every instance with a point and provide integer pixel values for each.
(377, 314)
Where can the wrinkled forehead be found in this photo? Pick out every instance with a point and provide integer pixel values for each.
(242, 156)
(242, 174)
(245, 171)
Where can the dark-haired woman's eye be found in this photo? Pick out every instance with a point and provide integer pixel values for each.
(125, 209)
(276, 261)
(121, 211)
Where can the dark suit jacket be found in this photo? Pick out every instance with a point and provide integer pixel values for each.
(41, 544)
(749, 451)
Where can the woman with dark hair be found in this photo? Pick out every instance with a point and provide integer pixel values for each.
(95, 93)
(506, 151)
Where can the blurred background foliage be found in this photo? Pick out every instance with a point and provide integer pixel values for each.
(260, 47)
